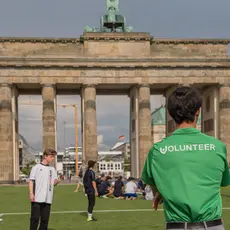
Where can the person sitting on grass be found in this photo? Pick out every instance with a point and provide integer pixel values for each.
(148, 193)
(140, 186)
(99, 180)
(105, 189)
(131, 189)
(118, 188)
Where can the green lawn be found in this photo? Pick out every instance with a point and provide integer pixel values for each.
(15, 200)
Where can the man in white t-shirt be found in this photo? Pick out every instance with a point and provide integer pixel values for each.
(43, 178)
(131, 189)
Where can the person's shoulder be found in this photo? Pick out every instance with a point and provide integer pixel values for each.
(36, 166)
(213, 140)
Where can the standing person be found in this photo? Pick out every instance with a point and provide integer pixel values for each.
(81, 174)
(90, 189)
(42, 179)
(187, 169)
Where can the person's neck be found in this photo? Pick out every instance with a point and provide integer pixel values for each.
(186, 125)
(44, 162)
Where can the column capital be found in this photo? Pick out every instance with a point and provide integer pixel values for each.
(6, 85)
(83, 86)
(145, 85)
(224, 85)
(48, 85)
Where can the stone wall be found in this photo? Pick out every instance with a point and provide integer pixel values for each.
(40, 50)
(188, 50)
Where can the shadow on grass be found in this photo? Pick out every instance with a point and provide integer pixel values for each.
(83, 214)
(226, 195)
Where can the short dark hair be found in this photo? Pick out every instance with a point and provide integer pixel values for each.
(108, 178)
(49, 152)
(91, 163)
(183, 104)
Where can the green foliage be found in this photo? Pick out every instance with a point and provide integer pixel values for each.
(26, 170)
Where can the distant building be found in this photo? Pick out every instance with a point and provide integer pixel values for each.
(109, 162)
(124, 147)
(158, 124)
(26, 152)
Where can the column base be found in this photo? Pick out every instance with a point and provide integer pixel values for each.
(8, 182)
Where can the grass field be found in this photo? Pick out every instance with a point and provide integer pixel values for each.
(69, 211)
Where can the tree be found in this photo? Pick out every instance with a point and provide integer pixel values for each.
(127, 165)
(26, 170)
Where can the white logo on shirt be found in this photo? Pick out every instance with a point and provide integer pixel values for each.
(191, 147)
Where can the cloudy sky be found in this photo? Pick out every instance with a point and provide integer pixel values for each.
(58, 18)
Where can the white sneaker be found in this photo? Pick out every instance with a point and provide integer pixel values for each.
(104, 196)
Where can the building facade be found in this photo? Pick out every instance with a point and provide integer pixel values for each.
(158, 124)
(108, 162)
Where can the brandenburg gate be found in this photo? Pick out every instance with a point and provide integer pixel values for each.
(111, 61)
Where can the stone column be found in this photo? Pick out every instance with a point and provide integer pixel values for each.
(83, 124)
(14, 102)
(210, 111)
(134, 130)
(6, 135)
(144, 124)
(224, 106)
(49, 116)
(89, 123)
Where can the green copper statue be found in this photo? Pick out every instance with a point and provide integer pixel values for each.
(112, 21)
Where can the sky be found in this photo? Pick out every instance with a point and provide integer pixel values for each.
(58, 18)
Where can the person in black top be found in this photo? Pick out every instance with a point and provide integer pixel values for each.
(99, 180)
(90, 189)
(105, 189)
(118, 187)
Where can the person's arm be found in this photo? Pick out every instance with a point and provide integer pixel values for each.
(56, 181)
(147, 175)
(31, 189)
(31, 184)
(148, 178)
(94, 183)
(226, 174)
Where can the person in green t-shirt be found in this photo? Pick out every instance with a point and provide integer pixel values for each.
(187, 169)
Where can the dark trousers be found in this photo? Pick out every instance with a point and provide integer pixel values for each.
(39, 211)
(91, 200)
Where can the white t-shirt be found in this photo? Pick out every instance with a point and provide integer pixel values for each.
(149, 193)
(131, 187)
(43, 177)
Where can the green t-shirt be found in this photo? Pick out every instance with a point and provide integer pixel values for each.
(188, 168)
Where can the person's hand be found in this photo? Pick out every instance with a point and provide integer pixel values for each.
(96, 193)
(32, 198)
(157, 200)
(56, 182)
